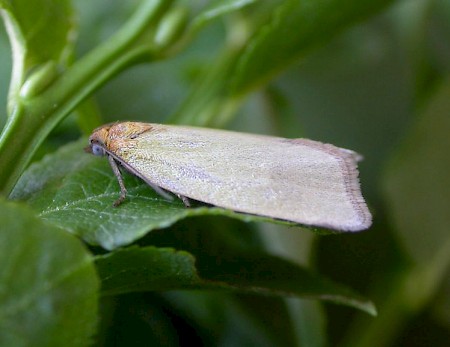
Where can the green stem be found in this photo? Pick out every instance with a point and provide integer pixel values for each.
(33, 119)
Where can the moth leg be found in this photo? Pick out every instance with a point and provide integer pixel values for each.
(185, 200)
(123, 190)
(160, 191)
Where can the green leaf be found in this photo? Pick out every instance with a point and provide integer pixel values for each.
(150, 268)
(260, 45)
(33, 40)
(146, 269)
(40, 41)
(293, 28)
(76, 191)
(48, 284)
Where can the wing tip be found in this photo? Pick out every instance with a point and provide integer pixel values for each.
(348, 160)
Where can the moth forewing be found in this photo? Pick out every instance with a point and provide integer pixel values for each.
(297, 180)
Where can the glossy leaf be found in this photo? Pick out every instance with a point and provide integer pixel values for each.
(151, 268)
(76, 191)
(48, 284)
(33, 41)
(27, 22)
(262, 44)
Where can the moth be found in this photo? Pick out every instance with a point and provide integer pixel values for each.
(297, 180)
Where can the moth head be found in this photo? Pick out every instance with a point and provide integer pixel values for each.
(98, 141)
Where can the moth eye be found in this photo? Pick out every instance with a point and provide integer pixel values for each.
(97, 150)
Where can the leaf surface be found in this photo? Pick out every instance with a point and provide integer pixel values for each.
(292, 29)
(33, 41)
(48, 284)
(76, 191)
(151, 268)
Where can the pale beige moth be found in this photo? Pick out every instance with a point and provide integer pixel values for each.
(297, 180)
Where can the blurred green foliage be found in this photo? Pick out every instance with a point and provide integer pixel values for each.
(372, 76)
